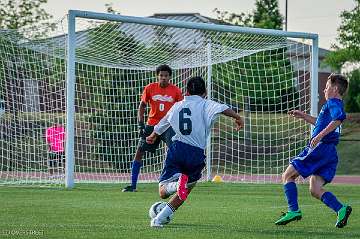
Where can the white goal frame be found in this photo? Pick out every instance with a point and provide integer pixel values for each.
(70, 78)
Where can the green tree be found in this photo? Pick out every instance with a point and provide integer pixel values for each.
(265, 85)
(267, 76)
(25, 15)
(28, 19)
(348, 51)
(352, 98)
(265, 15)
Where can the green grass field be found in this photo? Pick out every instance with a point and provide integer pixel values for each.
(212, 211)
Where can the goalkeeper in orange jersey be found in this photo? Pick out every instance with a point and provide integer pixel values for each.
(160, 96)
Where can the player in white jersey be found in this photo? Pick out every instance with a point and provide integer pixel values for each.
(191, 119)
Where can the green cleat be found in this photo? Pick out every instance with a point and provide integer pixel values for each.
(289, 217)
(342, 216)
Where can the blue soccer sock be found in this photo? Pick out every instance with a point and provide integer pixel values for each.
(291, 193)
(135, 170)
(331, 201)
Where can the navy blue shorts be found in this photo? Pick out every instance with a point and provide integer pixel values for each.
(183, 158)
(321, 160)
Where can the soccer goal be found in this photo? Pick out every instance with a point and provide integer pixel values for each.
(83, 86)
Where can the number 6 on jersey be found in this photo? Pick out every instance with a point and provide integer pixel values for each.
(185, 124)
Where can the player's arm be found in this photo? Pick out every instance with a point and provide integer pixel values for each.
(238, 120)
(152, 138)
(337, 115)
(160, 128)
(141, 112)
(301, 115)
(331, 127)
(142, 107)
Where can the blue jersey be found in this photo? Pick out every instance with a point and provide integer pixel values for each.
(332, 110)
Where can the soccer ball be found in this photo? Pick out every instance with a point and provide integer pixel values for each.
(156, 208)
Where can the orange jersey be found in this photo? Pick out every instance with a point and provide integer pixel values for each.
(160, 100)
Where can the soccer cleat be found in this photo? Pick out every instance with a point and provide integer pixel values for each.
(182, 191)
(129, 189)
(342, 216)
(289, 217)
(154, 223)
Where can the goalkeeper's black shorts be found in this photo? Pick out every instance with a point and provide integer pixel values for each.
(165, 137)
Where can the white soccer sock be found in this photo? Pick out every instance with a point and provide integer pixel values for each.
(165, 213)
(171, 187)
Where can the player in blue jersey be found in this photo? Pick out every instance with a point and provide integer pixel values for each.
(191, 119)
(319, 159)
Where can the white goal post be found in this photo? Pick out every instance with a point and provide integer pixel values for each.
(105, 60)
(166, 23)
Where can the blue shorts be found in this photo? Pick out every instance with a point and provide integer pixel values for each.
(183, 158)
(321, 160)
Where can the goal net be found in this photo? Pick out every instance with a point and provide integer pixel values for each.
(259, 74)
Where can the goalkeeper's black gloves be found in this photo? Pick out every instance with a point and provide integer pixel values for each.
(141, 128)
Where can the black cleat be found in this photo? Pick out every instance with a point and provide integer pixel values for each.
(129, 189)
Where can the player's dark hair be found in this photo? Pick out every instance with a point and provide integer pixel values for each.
(340, 81)
(163, 68)
(196, 86)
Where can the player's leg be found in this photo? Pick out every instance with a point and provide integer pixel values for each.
(169, 186)
(174, 203)
(183, 190)
(193, 165)
(51, 163)
(324, 173)
(305, 164)
(190, 165)
(168, 181)
(135, 171)
(178, 183)
(290, 190)
(137, 162)
(62, 162)
(329, 199)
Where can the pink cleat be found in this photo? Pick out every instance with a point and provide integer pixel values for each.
(182, 191)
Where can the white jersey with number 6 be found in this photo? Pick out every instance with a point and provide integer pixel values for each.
(191, 119)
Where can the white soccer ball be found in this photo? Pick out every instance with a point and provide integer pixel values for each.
(156, 208)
